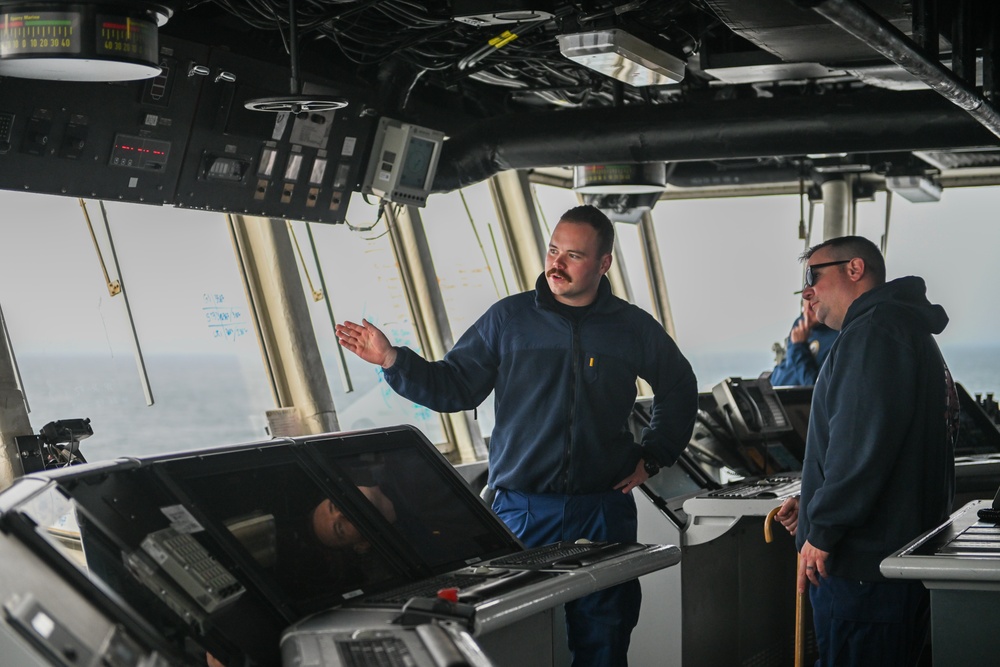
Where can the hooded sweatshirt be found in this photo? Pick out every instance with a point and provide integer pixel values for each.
(879, 466)
(565, 387)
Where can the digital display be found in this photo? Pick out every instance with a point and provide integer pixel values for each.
(418, 161)
(403, 162)
(139, 153)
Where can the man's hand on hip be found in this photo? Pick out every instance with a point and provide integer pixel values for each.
(635, 479)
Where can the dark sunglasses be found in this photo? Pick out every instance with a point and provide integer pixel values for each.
(811, 275)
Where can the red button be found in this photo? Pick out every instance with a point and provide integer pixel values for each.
(449, 594)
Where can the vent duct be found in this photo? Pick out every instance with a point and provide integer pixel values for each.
(862, 122)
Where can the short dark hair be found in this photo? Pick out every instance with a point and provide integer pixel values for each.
(849, 247)
(591, 215)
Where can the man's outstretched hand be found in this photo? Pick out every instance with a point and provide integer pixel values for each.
(368, 342)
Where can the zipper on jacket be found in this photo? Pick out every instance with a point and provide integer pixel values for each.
(575, 357)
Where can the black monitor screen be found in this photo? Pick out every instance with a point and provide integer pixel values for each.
(310, 543)
(120, 516)
(440, 523)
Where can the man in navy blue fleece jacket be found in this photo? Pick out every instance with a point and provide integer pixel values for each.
(563, 360)
(879, 462)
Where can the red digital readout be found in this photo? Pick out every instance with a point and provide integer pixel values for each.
(139, 149)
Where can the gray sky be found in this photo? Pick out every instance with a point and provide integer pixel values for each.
(733, 274)
(731, 268)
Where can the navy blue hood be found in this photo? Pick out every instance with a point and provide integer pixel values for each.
(908, 294)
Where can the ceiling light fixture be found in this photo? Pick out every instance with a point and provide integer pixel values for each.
(622, 56)
(916, 189)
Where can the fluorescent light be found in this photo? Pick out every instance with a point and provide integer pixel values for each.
(916, 189)
(618, 54)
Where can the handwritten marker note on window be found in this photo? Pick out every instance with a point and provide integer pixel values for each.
(224, 322)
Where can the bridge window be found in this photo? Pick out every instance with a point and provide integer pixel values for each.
(472, 263)
(949, 244)
(363, 281)
(73, 340)
(732, 271)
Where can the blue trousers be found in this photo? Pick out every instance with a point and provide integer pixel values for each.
(599, 626)
(858, 623)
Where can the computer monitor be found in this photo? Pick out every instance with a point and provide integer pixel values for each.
(305, 542)
(222, 549)
(325, 520)
(434, 516)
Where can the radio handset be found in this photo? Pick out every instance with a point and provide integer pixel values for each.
(748, 409)
(753, 407)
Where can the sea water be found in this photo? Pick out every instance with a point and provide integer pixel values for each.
(209, 401)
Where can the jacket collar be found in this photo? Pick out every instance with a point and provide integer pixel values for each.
(604, 303)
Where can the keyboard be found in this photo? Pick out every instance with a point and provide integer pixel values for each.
(378, 652)
(770, 487)
(981, 540)
(544, 555)
(564, 555)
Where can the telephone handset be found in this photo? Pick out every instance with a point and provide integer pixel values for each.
(752, 406)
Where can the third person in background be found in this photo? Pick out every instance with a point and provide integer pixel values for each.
(806, 349)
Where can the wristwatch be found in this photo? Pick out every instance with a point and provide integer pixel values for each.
(650, 465)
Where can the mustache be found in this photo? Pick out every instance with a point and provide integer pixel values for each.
(557, 272)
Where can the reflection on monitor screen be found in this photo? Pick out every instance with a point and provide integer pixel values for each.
(103, 528)
(441, 523)
(311, 547)
(977, 434)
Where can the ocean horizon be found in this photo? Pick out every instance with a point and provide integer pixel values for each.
(976, 367)
(209, 401)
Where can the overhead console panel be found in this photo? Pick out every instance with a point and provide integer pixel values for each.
(185, 138)
(280, 165)
(122, 141)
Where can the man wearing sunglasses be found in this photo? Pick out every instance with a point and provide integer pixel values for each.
(879, 462)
